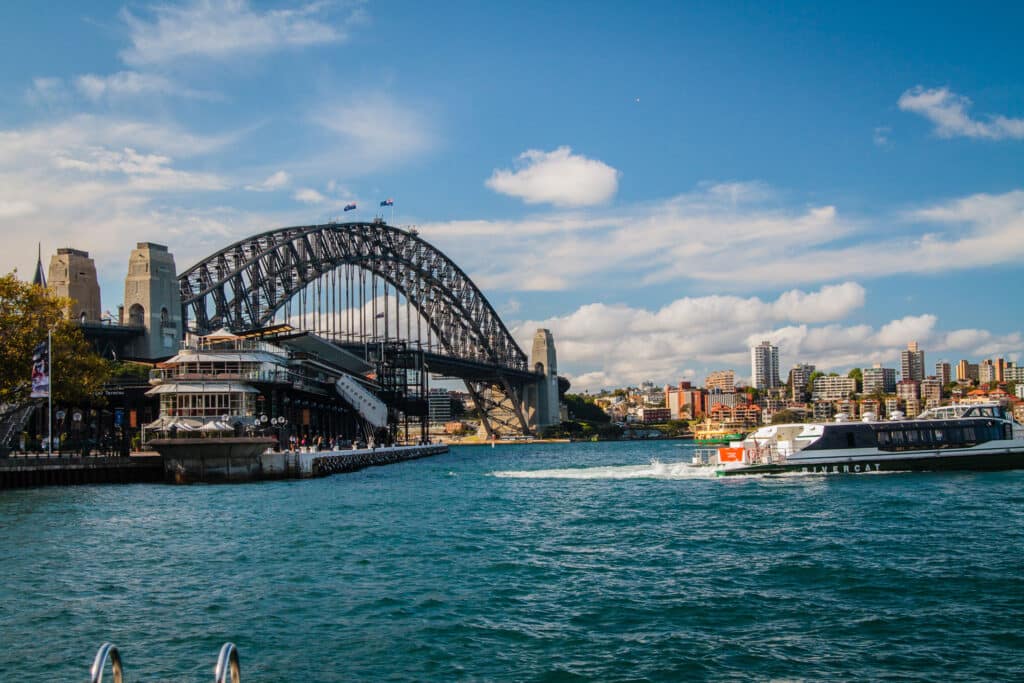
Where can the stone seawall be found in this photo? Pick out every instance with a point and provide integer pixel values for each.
(25, 471)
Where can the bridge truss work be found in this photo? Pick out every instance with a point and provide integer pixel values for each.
(370, 285)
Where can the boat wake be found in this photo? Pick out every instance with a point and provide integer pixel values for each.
(653, 470)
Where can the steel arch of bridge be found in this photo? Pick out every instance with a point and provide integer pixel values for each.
(244, 285)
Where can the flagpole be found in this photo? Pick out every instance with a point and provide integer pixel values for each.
(49, 392)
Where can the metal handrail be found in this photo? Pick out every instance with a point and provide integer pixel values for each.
(106, 651)
(227, 665)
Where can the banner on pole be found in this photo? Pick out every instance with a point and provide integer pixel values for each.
(41, 371)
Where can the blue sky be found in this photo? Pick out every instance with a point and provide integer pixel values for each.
(661, 184)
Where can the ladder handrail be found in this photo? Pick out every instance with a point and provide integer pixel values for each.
(106, 651)
(227, 665)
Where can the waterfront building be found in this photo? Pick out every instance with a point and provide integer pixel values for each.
(1014, 373)
(764, 365)
(723, 398)
(943, 371)
(892, 404)
(878, 379)
(72, 274)
(848, 407)
(833, 388)
(871, 405)
(912, 407)
(912, 362)
(226, 382)
(439, 406)
(931, 392)
(740, 416)
(1001, 395)
(966, 371)
(908, 389)
(722, 380)
(653, 415)
(823, 410)
(799, 377)
(685, 402)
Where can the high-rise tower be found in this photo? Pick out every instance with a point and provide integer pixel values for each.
(152, 300)
(764, 365)
(912, 362)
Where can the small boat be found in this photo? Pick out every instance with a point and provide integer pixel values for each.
(958, 437)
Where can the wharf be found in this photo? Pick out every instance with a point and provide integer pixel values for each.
(64, 470)
(304, 464)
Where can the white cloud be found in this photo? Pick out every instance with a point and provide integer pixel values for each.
(707, 238)
(134, 84)
(308, 195)
(949, 112)
(601, 345)
(225, 28)
(276, 181)
(558, 177)
(83, 131)
(12, 208)
(46, 90)
(375, 130)
(145, 171)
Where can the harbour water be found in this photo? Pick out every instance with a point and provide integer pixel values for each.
(536, 562)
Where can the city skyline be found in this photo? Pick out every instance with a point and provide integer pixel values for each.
(660, 211)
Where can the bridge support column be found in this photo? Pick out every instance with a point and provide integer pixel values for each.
(500, 407)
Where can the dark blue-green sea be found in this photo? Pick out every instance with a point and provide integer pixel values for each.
(559, 562)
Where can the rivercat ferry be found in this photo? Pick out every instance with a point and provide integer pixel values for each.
(958, 437)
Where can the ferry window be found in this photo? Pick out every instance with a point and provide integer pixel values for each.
(969, 435)
(897, 438)
(883, 439)
(849, 440)
(912, 437)
(938, 436)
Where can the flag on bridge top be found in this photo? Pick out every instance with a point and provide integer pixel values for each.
(388, 202)
(350, 207)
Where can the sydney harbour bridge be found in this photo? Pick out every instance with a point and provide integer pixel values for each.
(382, 293)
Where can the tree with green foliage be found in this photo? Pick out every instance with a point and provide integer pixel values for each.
(786, 417)
(582, 407)
(609, 432)
(810, 381)
(858, 376)
(27, 312)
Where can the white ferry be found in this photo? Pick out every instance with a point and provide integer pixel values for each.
(957, 437)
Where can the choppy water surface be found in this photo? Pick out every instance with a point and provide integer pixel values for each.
(547, 562)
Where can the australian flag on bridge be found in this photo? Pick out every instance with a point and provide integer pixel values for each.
(350, 207)
(388, 202)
